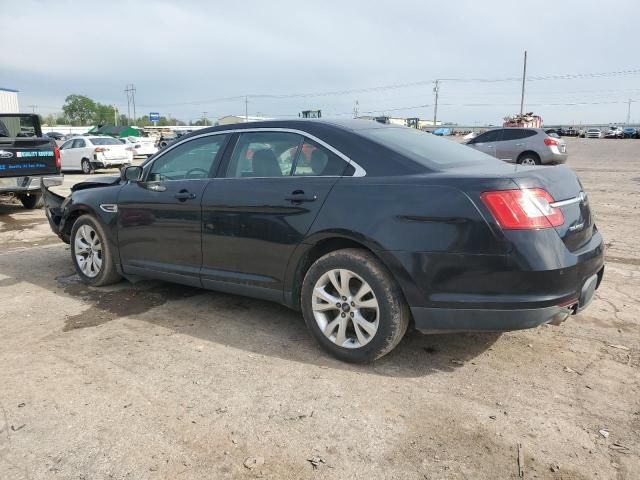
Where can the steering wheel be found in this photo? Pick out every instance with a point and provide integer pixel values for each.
(196, 170)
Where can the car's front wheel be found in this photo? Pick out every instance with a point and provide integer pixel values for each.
(91, 253)
(353, 306)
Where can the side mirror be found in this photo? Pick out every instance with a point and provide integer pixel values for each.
(131, 174)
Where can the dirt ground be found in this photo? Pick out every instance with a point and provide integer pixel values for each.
(155, 381)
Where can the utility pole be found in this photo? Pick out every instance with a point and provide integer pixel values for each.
(33, 108)
(629, 111)
(115, 115)
(246, 109)
(356, 109)
(524, 76)
(436, 89)
(130, 90)
(204, 118)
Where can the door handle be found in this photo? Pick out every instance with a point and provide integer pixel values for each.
(185, 195)
(299, 197)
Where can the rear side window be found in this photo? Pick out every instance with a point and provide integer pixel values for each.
(105, 141)
(426, 149)
(78, 143)
(315, 161)
(516, 134)
(264, 154)
(17, 126)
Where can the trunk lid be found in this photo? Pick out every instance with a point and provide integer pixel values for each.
(23, 150)
(565, 188)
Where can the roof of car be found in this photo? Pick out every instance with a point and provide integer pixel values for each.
(302, 124)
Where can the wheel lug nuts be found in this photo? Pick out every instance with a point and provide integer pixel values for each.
(353, 304)
(344, 298)
(343, 315)
(351, 314)
(338, 304)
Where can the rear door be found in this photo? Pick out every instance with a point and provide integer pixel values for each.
(160, 218)
(261, 206)
(487, 142)
(23, 149)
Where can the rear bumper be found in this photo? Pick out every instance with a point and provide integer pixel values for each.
(553, 158)
(442, 320)
(110, 164)
(27, 184)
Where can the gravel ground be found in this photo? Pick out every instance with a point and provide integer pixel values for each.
(154, 381)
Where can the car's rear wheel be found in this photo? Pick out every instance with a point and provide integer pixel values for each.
(353, 306)
(86, 166)
(91, 253)
(32, 200)
(529, 159)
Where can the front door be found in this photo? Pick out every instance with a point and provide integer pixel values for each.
(261, 207)
(160, 218)
(487, 142)
(514, 141)
(71, 153)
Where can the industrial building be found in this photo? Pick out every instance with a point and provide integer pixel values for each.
(9, 100)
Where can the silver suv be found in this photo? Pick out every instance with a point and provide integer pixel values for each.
(526, 146)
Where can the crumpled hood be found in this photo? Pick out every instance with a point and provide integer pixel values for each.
(96, 182)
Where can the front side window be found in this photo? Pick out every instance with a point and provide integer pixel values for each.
(66, 145)
(313, 160)
(490, 136)
(191, 160)
(264, 154)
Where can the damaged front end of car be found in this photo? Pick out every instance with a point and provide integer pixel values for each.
(62, 211)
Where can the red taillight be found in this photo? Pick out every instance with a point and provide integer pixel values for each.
(529, 208)
(551, 141)
(101, 149)
(56, 156)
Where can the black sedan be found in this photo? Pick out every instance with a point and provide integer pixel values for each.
(363, 227)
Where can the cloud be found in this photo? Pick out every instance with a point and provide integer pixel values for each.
(180, 52)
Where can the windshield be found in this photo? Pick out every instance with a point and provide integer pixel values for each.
(105, 141)
(426, 148)
(17, 126)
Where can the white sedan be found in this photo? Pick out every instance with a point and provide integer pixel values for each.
(90, 153)
(142, 146)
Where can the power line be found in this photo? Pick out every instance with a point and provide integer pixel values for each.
(396, 86)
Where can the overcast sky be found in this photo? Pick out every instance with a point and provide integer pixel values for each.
(184, 55)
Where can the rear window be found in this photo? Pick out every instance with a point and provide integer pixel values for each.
(425, 148)
(18, 126)
(105, 141)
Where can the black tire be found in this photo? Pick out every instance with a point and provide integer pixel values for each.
(86, 166)
(529, 157)
(393, 316)
(31, 201)
(108, 273)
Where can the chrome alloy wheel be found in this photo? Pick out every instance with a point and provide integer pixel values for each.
(345, 308)
(528, 161)
(88, 251)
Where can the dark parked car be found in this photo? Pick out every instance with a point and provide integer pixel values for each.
(55, 135)
(630, 132)
(363, 227)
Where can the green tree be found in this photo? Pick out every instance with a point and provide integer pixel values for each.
(103, 114)
(80, 109)
(123, 120)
